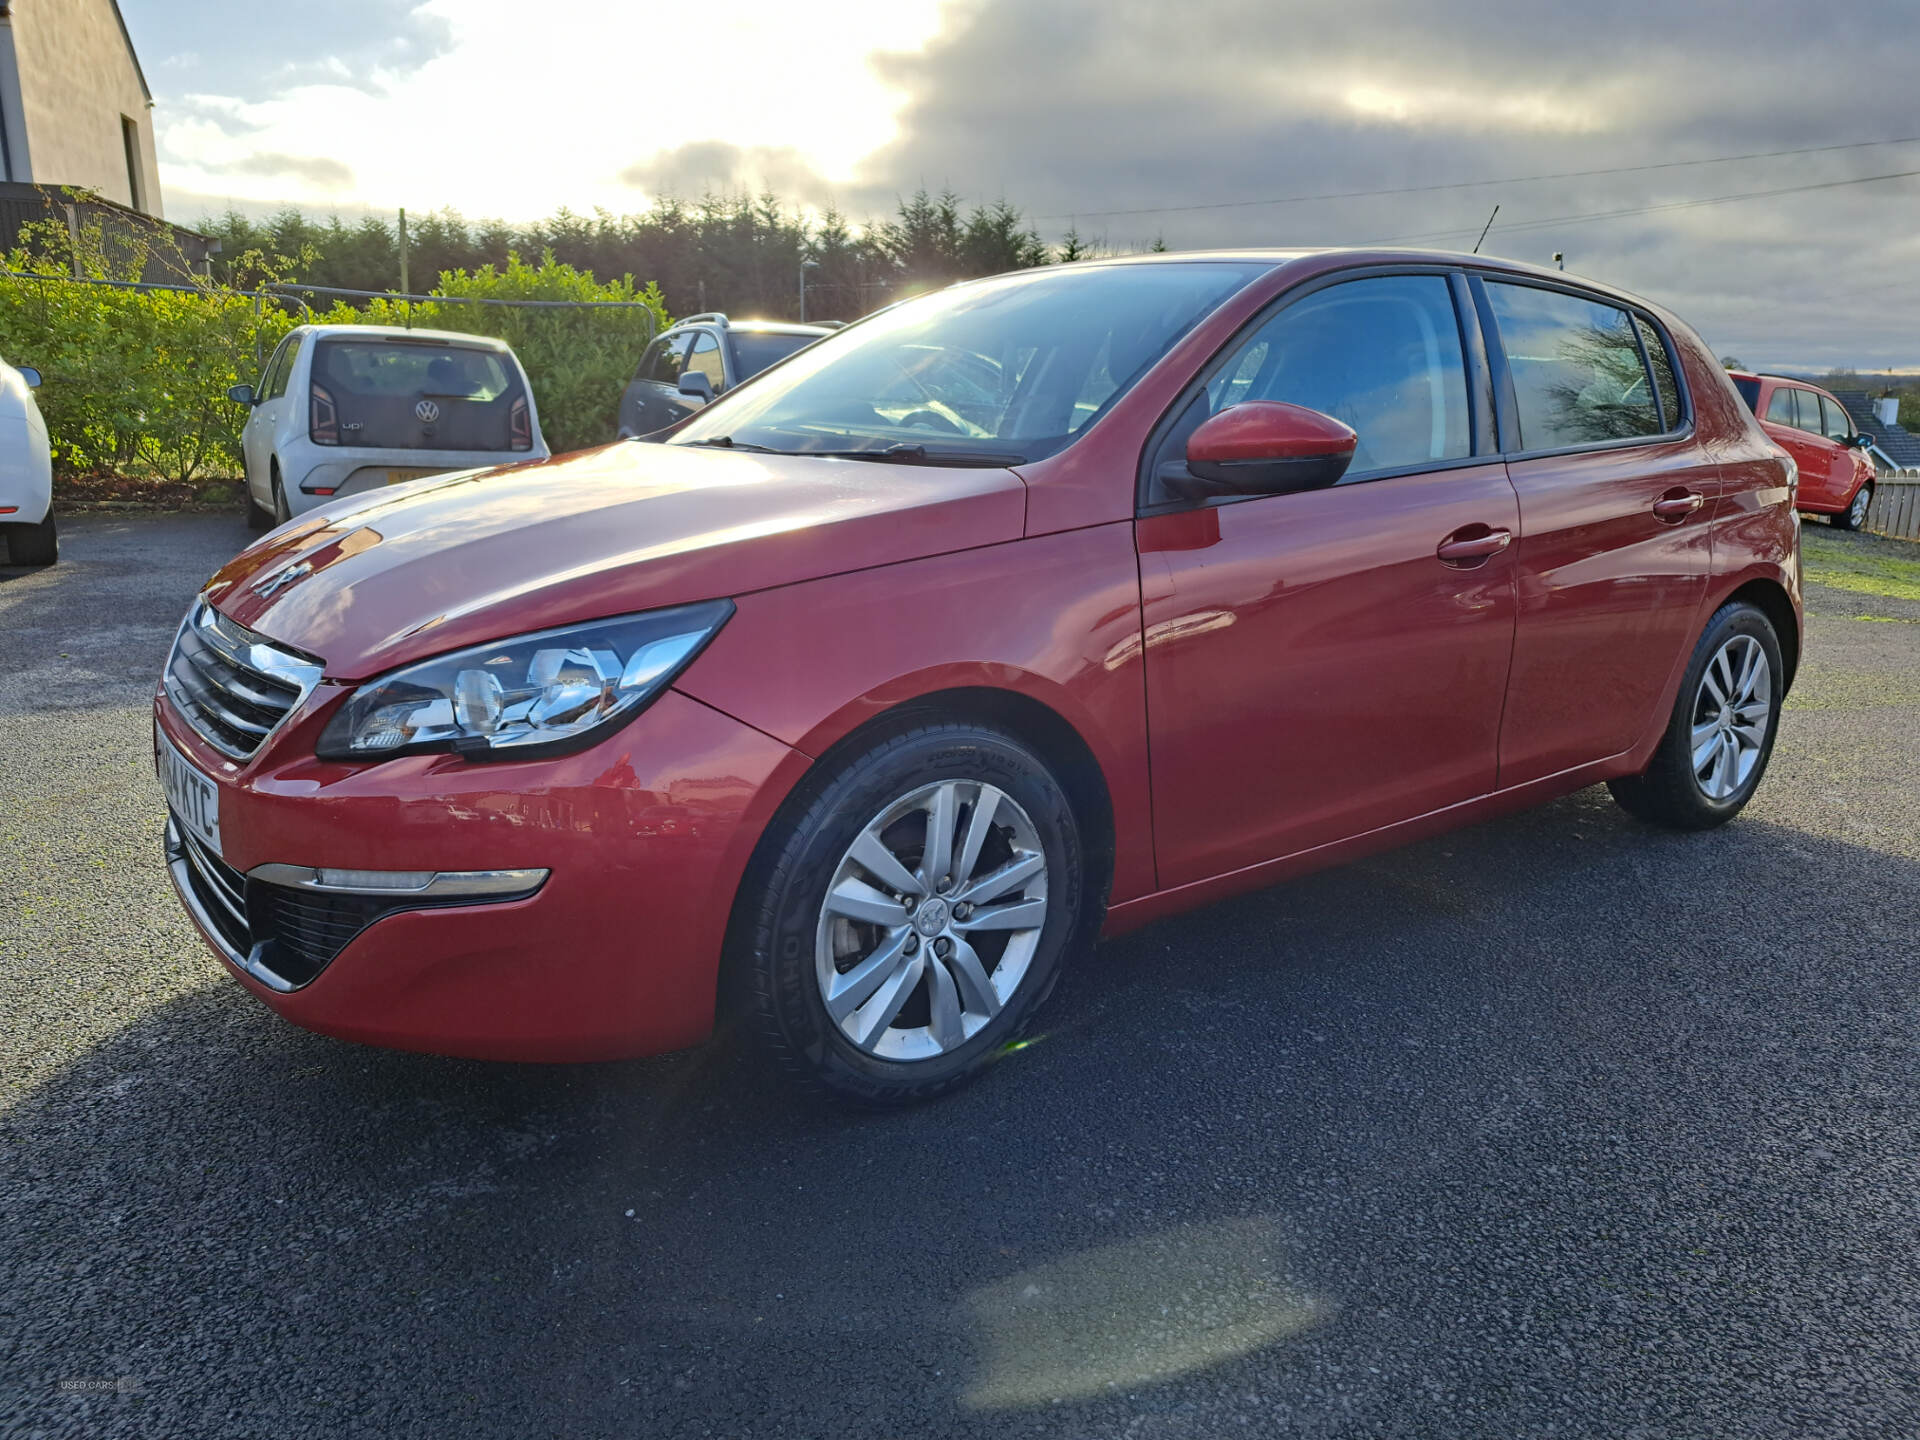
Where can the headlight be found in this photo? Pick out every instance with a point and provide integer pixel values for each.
(539, 694)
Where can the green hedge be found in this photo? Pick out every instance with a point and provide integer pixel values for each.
(135, 381)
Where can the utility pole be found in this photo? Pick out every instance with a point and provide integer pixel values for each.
(406, 306)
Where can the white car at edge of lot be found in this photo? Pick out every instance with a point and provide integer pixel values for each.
(26, 472)
(340, 409)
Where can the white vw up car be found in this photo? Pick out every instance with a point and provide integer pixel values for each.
(344, 408)
(26, 473)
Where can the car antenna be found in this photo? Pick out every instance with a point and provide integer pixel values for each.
(1483, 230)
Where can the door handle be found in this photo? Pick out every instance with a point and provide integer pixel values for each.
(1679, 505)
(1466, 550)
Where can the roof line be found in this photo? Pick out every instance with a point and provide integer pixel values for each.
(134, 54)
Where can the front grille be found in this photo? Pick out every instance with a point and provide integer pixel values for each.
(230, 685)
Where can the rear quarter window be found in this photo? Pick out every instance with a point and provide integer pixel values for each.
(1749, 392)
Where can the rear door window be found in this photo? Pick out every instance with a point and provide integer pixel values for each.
(1808, 411)
(402, 394)
(1783, 408)
(1578, 378)
(282, 369)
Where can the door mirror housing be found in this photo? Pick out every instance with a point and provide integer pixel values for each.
(31, 376)
(696, 384)
(1860, 442)
(1264, 447)
(240, 394)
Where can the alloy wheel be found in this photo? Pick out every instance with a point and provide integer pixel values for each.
(1731, 712)
(1857, 511)
(931, 920)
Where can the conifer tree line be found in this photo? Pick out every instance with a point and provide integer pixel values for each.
(737, 253)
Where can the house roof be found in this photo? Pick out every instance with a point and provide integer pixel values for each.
(134, 54)
(1896, 442)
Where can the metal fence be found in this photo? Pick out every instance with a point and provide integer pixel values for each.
(1895, 511)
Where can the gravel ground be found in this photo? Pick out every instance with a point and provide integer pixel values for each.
(1558, 1126)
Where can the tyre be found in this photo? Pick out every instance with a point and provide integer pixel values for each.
(32, 544)
(258, 516)
(911, 912)
(1721, 735)
(1855, 515)
(282, 512)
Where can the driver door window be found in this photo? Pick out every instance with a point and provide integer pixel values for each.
(1382, 355)
(705, 358)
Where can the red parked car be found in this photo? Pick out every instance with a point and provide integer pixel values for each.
(1042, 606)
(1836, 477)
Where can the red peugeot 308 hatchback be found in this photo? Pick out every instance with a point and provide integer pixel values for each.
(1037, 607)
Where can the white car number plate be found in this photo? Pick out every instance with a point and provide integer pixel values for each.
(193, 798)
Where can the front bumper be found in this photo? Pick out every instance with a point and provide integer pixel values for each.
(616, 953)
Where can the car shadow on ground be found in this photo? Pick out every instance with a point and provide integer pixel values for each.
(1543, 1119)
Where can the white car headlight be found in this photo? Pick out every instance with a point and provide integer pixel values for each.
(532, 695)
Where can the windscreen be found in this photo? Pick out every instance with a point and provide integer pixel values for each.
(997, 371)
(755, 350)
(407, 394)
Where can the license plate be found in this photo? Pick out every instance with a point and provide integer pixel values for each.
(400, 477)
(193, 798)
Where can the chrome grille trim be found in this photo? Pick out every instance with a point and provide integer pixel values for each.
(230, 685)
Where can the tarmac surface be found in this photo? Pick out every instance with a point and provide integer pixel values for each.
(1556, 1126)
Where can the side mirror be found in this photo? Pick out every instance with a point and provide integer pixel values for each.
(1264, 447)
(1860, 442)
(31, 376)
(696, 384)
(240, 394)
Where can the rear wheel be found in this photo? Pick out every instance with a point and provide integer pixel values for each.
(1720, 737)
(910, 920)
(1855, 515)
(32, 544)
(282, 512)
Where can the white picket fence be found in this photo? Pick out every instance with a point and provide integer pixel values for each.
(1896, 507)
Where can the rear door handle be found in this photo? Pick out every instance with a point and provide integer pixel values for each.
(1678, 505)
(1464, 549)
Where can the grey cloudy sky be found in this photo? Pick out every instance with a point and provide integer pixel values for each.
(1074, 109)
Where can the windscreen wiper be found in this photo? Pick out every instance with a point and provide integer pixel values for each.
(892, 454)
(919, 455)
(727, 442)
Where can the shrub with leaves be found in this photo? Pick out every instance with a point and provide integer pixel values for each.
(133, 382)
